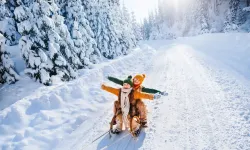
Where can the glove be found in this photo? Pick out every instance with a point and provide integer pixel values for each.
(157, 96)
(164, 93)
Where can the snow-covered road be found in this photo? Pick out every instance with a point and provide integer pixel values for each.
(205, 109)
(208, 106)
(198, 113)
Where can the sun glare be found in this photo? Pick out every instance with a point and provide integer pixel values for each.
(141, 7)
(176, 4)
(172, 4)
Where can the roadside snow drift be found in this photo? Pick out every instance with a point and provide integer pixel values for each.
(208, 107)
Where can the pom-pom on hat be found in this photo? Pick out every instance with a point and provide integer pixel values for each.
(129, 81)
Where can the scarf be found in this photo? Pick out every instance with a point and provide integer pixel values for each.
(136, 87)
(125, 105)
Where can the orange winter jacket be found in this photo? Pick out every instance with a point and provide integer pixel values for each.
(137, 94)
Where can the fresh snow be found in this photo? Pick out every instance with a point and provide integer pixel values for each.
(208, 107)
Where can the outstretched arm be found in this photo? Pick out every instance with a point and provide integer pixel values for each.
(115, 80)
(154, 91)
(148, 90)
(141, 95)
(110, 89)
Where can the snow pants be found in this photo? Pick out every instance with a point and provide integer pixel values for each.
(137, 108)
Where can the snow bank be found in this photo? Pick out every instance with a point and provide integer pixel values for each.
(37, 117)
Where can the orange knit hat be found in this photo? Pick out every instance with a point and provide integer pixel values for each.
(140, 77)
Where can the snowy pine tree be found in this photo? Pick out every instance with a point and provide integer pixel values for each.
(128, 31)
(192, 17)
(67, 48)
(43, 49)
(105, 20)
(7, 72)
(106, 35)
(136, 28)
(91, 8)
(202, 17)
(124, 29)
(7, 23)
(146, 29)
(79, 27)
(231, 22)
(234, 5)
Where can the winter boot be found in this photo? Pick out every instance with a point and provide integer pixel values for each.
(144, 124)
(116, 131)
(135, 126)
(137, 132)
(119, 123)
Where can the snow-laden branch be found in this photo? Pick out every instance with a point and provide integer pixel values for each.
(246, 9)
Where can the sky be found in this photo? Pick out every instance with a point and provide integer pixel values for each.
(140, 7)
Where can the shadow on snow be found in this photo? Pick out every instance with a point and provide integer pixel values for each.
(123, 141)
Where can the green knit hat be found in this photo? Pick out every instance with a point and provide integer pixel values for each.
(129, 81)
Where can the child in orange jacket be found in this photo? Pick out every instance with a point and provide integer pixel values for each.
(126, 98)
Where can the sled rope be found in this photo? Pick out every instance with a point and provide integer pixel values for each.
(100, 137)
(110, 144)
(109, 131)
(84, 147)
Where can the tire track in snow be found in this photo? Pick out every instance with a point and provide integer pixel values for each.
(197, 131)
(157, 74)
(184, 129)
(230, 128)
(157, 118)
(205, 128)
(199, 115)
